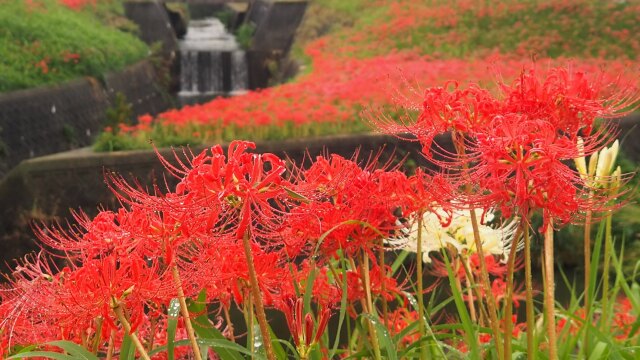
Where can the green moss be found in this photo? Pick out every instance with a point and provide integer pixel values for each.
(48, 43)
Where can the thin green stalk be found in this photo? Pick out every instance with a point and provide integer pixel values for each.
(97, 335)
(587, 273)
(486, 284)
(110, 346)
(458, 141)
(419, 273)
(383, 275)
(470, 302)
(549, 292)
(152, 334)
(529, 296)
(227, 318)
(508, 326)
(185, 312)
(257, 298)
(605, 271)
(118, 309)
(371, 309)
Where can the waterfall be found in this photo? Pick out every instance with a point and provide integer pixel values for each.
(211, 63)
(239, 72)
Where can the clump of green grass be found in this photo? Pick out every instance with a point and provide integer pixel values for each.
(43, 42)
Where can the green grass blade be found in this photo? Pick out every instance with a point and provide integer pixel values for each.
(469, 331)
(127, 349)
(74, 349)
(343, 309)
(598, 351)
(384, 338)
(172, 323)
(43, 354)
(206, 331)
(230, 346)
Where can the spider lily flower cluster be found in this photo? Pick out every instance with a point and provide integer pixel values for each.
(457, 234)
(249, 231)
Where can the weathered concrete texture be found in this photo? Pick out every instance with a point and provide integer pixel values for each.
(42, 121)
(275, 23)
(141, 87)
(154, 24)
(46, 188)
(629, 128)
(260, 67)
(51, 119)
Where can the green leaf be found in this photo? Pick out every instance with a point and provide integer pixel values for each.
(172, 323)
(206, 331)
(218, 344)
(343, 309)
(127, 349)
(74, 349)
(75, 352)
(384, 338)
(469, 332)
(45, 354)
(599, 351)
(399, 260)
(276, 345)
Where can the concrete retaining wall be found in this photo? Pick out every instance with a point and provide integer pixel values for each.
(51, 119)
(46, 188)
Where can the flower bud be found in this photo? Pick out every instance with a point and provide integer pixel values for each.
(606, 159)
(593, 161)
(581, 162)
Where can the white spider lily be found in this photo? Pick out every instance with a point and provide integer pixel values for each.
(458, 234)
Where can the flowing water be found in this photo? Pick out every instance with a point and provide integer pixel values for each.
(211, 63)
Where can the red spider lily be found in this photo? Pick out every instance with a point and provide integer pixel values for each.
(42, 304)
(517, 329)
(494, 267)
(241, 183)
(397, 320)
(382, 284)
(349, 208)
(499, 290)
(624, 319)
(521, 165)
(570, 101)
(571, 325)
(302, 325)
(27, 303)
(132, 281)
(222, 270)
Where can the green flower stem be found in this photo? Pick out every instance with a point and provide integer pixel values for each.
(419, 274)
(508, 325)
(110, 346)
(257, 298)
(98, 335)
(605, 270)
(587, 271)
(383, 275)
(371, 309)
(486, 284)
(549, 292)
(118, 309)
(529, 296)
(185, 312)
(470, 302)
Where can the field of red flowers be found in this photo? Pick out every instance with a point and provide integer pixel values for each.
(398, 45)
(248, 233)
(339, 248)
